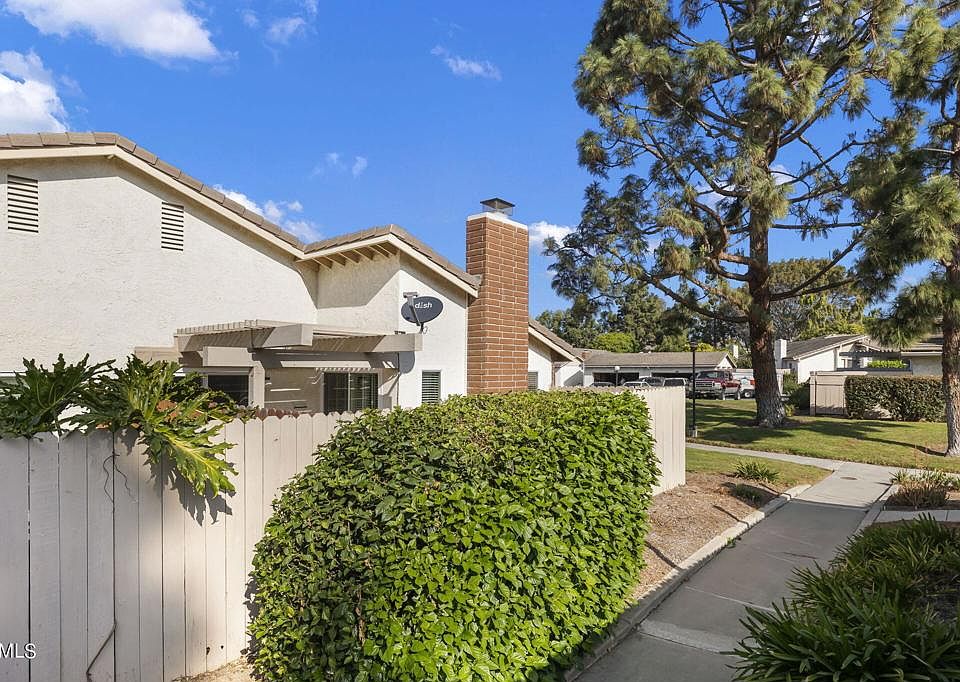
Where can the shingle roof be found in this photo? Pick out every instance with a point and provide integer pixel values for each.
(402, 235)
(600, 358)
(802, 349)
(66, 140)
(542, 329)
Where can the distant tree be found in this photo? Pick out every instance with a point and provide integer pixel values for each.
(641, 315)
(614, 342)
(710, 95)
(822, 313)
(907, 185)
(577, 325)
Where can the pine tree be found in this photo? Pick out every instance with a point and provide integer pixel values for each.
(707, 96)
(906, 185)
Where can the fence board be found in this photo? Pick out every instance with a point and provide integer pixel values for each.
(73, 557)
(272, 475)
(235, 555)
(214, 526)
(195, 582)
(288, 449)
(126, 524)
(14, 559)
(253, 498)
(150, 566)
(174, 617)
(305, 443)
(45, 556)
(100, 557)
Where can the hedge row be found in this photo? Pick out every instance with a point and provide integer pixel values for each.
(484, 538)
(910, 399)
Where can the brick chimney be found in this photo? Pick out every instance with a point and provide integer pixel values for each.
(498, 251)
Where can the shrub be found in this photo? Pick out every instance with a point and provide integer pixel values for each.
(753, 470)
(887, 364)
(746, 493)
(886, 609)
(800, 397)
(924, 490)
(487, 537)
(909, 399)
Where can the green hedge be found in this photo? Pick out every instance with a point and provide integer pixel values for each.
(909, 399)
(484, 538)
(886, 609)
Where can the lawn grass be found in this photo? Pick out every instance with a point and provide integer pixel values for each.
(900, 444)
(709, 462)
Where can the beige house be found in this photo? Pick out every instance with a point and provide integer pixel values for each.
(109, 250)
(853, 352)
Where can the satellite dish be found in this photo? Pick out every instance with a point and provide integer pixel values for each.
(421, 309)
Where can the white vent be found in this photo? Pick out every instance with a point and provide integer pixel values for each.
(23, 204)
(533, 381)
(430, 388)
(171, 226)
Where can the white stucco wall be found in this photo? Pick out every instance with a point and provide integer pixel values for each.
(368, 296)
(570, 374)
(538, 360)
(827, 361)
(95, 280)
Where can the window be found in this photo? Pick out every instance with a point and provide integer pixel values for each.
(23, 204)
(344, 392)
(171, 226)
(430, 387)
(237, 386)
(533, 381)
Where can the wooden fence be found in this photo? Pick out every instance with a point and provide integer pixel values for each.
(828, 389)
(114, 571)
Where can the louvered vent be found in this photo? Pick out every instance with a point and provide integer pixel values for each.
(171, 226)
(23, 204)
(533, 381)
(430, 388)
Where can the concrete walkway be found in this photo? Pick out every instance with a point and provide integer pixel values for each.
(684, 638)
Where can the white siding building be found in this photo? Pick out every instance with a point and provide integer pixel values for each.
(109, 251)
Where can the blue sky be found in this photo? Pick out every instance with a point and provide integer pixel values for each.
(329, 117)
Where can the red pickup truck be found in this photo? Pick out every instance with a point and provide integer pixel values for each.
(717, 384)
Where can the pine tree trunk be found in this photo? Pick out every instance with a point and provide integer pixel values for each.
(770, 412)
(950, 363)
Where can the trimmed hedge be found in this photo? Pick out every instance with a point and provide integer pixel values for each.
(886, 609)
(906, 399)
(484, 538)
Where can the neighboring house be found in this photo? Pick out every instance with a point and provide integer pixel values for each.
(108, 250)
(855, 352)
(824, 354)
(609, 367)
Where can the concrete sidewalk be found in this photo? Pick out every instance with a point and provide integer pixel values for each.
(684, 638)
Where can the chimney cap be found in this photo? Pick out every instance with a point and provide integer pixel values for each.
(498, 205)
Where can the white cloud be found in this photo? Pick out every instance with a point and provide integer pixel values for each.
(249, 18)
(467, 68)
(311, 7)
(360, 164)
(282, 30)
(541, 230)
(159, 29)
(29, 101)
(277, 212)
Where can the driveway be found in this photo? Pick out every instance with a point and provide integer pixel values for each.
(686, 637)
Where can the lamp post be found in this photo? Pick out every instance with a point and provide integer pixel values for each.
(692, 431)
(616, 375)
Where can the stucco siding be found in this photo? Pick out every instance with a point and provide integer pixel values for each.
(364, 296)
(539, 361)
(95, 280)
(821, 362)
(926, 366)
(570, 374)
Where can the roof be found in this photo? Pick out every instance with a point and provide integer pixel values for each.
(931, 345)
(554, 340)
(402, 235)
(600, 358)
(802, 349)
(109, 143)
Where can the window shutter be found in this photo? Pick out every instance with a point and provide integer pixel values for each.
(171, 226)
(532, 381)
(23, 204)
(430, 388)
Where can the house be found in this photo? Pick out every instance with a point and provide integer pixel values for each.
(602, 366)
(109, 250)
(824, 354)
(855, 352)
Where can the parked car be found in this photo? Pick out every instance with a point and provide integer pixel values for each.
(602, 384)
(645, 382)
(748, 387)
(675, 381)
(717, 384)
